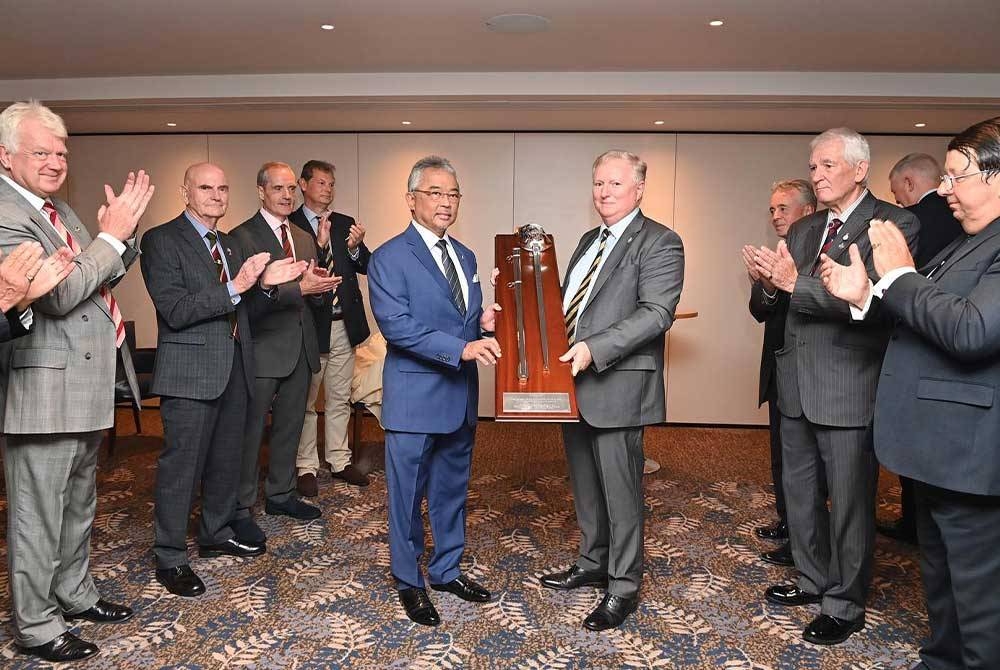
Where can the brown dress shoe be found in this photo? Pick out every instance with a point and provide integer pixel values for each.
(352, 476)
(307, 485)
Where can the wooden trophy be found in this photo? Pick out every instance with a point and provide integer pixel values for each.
(531, 383)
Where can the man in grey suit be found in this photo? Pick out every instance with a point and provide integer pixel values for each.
(622, 286)
(827, 374)
(201, 285)
(937, 419)
(60, 385)
(791, 200)
(286, 354)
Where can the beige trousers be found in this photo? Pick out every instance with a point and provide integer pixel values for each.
(335, 372)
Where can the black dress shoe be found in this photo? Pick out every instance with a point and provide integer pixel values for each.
(790, 595)
(231, 547)
(103, 612)
(66, 647)
(776, 533)
(898, 530)
(294, 508)
(181, 581)
(419, 607)
(247, 531)
(611, 613)
(574, 578)
(466, 589)
(826, 629)
(781, 556)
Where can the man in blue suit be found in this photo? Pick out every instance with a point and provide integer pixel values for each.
(427, 299)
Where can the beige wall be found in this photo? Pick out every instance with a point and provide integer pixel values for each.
(712, 189)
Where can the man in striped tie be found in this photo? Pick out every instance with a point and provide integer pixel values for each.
(622, 286)
(60, 384)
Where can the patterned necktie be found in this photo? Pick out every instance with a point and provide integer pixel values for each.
(573, 311)
(74, 246)
(452, 276)
(286, 243)
(335, 304)
(831, 236)
(212, 238)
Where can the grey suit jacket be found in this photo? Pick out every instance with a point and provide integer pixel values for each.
(61, 376)
(828, 368)
(631, 306)
(937, 416)
(284, 326)
(194, 343)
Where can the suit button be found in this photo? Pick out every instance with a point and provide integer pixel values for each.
(85, 317)
(87, 356)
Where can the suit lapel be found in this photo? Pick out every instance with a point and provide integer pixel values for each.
(810, 244)
(615, 257)
(856, 224)
(198, 246)
(585, 242)
(970, 244)
(423, 254)
(39, 219)
(466, 262)
(265, 236)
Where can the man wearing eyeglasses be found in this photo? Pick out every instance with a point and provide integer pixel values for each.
(60, 384)
(828, 371)
(427, 300)
(914, 182)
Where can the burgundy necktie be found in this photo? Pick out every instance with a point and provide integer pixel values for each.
(109, 299)
(831, 235)
(212, 238)
(286, 243)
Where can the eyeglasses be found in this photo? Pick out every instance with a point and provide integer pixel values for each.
(949, 181)
(436, 196)
(43, 156)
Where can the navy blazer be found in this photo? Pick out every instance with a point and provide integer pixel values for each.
(427, 387)
(937, 415)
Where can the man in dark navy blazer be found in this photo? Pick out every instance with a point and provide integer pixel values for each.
(427, 300)
(341, 325)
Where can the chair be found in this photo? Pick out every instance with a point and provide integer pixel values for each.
(143, 360)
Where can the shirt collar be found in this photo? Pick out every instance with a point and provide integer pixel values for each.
(198, 225)
(273, 221)
(310, 215)
(846, 214)
(429, 238)
(32, 199)
(618, 228)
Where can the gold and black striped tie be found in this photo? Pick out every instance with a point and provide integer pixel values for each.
(573, 311)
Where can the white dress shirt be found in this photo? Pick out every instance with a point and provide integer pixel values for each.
(580, 269)
(275, 223)
(431, 240)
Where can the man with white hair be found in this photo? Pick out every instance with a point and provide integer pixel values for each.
(827, 374)
(60, 384)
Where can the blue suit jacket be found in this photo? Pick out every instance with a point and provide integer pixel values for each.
(427, 388)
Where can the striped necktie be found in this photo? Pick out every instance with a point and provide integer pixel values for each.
(220, 267)
(573, 311)
(452, 276)
(335, 303)
(832, 229)
(74, 246)
(286, 243)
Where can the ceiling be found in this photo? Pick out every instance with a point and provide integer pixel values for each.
(256, 65)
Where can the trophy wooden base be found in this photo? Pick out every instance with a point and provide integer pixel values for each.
(531, 383)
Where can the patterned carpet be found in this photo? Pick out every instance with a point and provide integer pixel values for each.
(322, 598)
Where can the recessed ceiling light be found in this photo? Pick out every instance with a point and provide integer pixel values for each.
(406, 123)
(171, 124)
(716, 23)
(327, 26)
(919, 125)
(518, 23)
(658, 123)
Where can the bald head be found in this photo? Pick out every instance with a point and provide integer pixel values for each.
(912, 177)
(206, 193)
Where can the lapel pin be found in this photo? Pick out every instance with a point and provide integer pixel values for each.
(628, 240)
(840, 246)
(845, 236)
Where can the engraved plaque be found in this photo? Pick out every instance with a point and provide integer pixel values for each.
(536, 402)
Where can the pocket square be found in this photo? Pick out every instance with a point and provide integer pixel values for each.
(475, 279)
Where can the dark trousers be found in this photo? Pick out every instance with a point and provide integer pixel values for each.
(202, 440)
(832, 549)
(774, 422)
(286, 398)
(959, 537)
(437, 467)
(605, 470)
(908, 512)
